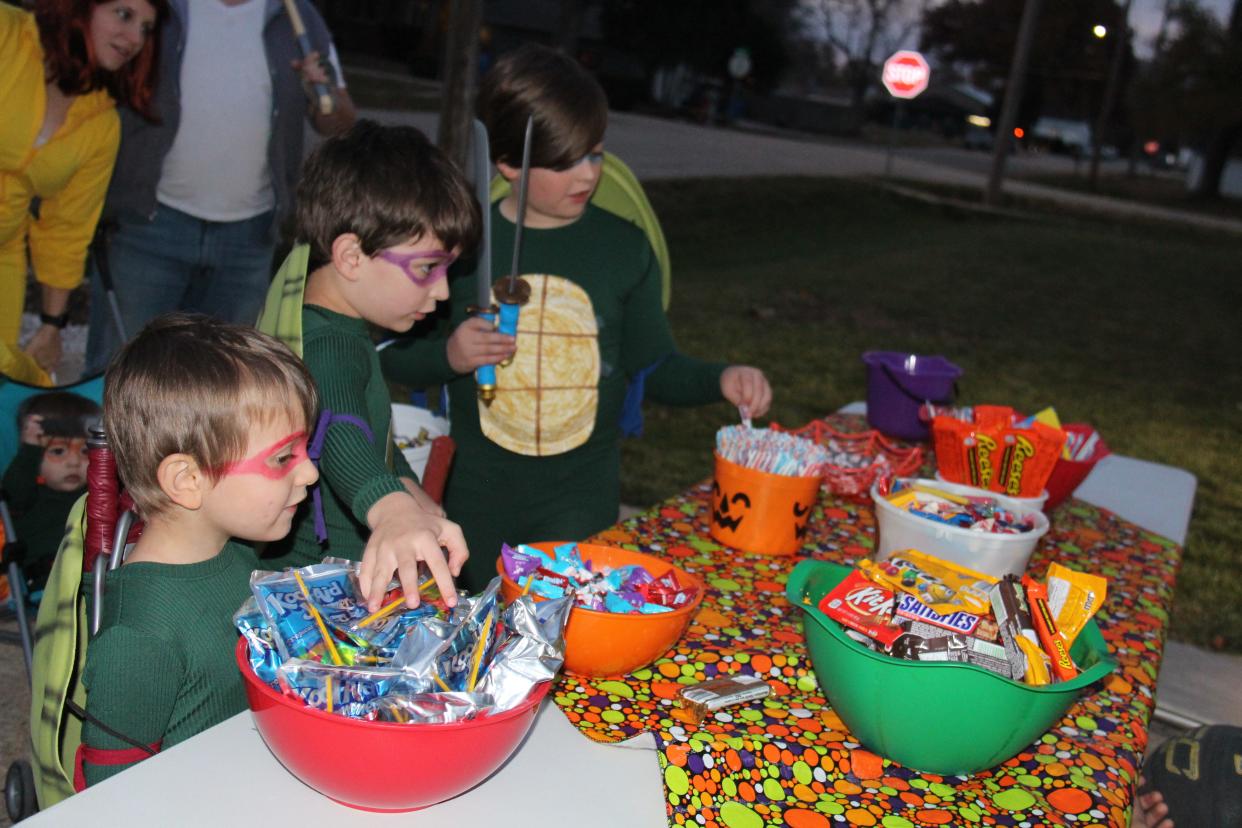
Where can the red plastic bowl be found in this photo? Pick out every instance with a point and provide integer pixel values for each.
(601, 644)
(1067, 475)
(383, 766)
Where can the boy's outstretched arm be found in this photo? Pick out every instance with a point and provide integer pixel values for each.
(747, 388)
(402, 534)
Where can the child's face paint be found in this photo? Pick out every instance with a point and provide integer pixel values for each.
(64, 464)
(275, 461)
(256, 498)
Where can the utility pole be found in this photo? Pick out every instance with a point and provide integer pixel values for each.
(461, 62)
(1110, 96)
(1013, 96)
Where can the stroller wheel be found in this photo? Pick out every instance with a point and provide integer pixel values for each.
(19, 791)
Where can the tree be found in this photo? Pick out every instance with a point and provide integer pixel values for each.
(461, 59)
(863, 32)
(1191, 91)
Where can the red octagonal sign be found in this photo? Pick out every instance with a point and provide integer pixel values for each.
(905, 74)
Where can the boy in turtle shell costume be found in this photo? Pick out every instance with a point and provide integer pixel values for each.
(542, 461)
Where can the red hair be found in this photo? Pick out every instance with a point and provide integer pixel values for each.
(64, 29)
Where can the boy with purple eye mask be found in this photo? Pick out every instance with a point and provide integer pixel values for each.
(381, 215)
(207, 422)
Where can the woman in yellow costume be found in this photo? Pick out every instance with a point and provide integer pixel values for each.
(63, 69)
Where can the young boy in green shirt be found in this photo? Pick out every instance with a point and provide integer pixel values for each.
(208, 425)
(381, 214)
(542, 461)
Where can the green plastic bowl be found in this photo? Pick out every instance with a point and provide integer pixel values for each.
(934, 717)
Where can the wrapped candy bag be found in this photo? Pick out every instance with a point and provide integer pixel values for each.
(624, 589)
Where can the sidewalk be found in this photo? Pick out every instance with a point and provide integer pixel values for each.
(659, 148)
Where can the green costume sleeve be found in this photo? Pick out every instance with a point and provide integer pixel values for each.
(677, 379)
(132, 682)
(349, 465)
(419, 361)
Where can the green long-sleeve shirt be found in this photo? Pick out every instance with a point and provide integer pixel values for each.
(162, 666)
(354, 472)
(499, 495)
(39, 513)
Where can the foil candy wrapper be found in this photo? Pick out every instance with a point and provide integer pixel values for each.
(531, 652)
(426, 708)
(444, 652)
(264, 657)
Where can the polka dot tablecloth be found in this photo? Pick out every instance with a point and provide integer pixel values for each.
(790, 761)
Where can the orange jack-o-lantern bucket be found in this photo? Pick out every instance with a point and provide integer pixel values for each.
(757, 511)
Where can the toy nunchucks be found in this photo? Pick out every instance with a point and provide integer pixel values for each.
(322, 94)
(513, 291)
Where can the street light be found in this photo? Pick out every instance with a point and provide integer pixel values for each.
(1099, 30)
(1110, 95)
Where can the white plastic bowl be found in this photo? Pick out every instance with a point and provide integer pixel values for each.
(987, 552)
(407, 422)
(1028, 502)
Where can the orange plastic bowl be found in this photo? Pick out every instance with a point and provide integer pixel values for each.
(383, 766)
(600, 644)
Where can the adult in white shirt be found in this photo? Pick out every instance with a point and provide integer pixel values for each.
(196, 202)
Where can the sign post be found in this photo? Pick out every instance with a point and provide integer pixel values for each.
(905, 76)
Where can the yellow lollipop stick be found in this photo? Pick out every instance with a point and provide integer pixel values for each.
(392, 605)
(323, 629)
(478, 652)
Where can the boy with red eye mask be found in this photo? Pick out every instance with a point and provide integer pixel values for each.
(47, 476)
(208, 423)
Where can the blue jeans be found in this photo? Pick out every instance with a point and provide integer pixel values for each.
(178, 262)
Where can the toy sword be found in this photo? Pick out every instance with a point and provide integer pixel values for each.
(324, 96)
(512, 292)
(484, 375)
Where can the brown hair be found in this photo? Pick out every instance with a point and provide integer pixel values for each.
(569, 105)
(386, 184)
(64, 414)
(64, 27)
(194, 385)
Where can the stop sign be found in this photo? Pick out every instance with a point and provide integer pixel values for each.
(905, 74)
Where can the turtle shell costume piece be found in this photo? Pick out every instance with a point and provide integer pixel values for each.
(546, 398)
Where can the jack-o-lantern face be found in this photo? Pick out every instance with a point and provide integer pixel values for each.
(728, 512)
(801, 515)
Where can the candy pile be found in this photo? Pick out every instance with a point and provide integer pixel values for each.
(775, 452)
(310, 636)
(978, 514)
(921, 608)
(625, 589)
(991, 447)
(855, 460)
(421, 439)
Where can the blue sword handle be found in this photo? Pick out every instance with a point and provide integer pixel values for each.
(509, 313)
(485, 375)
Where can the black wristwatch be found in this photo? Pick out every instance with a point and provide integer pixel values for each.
(59, 321)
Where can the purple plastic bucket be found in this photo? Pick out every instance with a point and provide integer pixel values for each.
(899, 383)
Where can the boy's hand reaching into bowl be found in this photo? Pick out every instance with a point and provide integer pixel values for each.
(747, 388)
(402, 534)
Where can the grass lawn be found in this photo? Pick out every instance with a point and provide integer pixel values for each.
(1132, 329)
(1146, 189)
